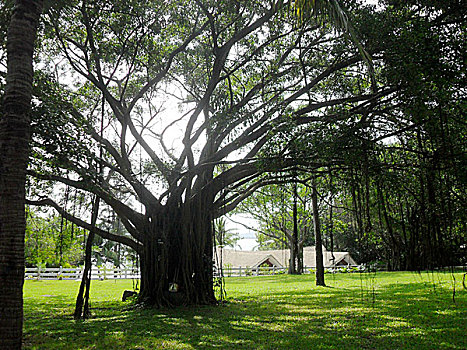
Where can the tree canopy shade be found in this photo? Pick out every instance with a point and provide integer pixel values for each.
(244, 78)
(14, 150)
(398, 192)
(416, 176)
(401, 177)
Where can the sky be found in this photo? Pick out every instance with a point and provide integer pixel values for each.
(247, 237)
(247, 244)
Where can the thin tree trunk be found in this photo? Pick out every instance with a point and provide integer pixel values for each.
(394, 246)
(331, 231)
(82, 302)
(318, 239)
(14, 152)
(294, 252)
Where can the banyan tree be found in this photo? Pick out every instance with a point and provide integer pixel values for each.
(173, 112)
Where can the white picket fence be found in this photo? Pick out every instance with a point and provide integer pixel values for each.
(100, 273)
(262, 271)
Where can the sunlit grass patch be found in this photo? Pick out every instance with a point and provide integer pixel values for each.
(356, 311)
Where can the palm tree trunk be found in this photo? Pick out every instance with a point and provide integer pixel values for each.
(14, 152)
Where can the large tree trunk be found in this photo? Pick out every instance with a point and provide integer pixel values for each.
(318, 240)
(14, 152)
(177, 259)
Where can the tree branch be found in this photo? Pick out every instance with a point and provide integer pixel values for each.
(104, 234)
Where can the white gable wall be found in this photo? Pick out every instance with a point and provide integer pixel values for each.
(280, 258)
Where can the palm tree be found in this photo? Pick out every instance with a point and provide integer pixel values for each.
(224, 237)
(14, 152)
(333, 11)
(320, 8)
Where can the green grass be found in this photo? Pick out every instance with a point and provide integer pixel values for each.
(357, 311)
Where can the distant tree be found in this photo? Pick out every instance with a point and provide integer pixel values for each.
(283, 212)
(51, 242)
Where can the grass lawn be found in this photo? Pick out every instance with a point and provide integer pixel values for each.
(387, 310)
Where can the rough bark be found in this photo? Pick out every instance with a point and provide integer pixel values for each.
(14, 151)
(176, 262)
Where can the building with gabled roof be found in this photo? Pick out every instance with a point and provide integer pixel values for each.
(280, 258)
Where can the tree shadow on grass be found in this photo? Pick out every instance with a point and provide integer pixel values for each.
(408, 316)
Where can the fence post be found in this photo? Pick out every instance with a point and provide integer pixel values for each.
(240, 271)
